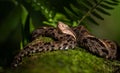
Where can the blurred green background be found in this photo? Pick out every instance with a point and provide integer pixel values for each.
(109, 28)
(18, 18)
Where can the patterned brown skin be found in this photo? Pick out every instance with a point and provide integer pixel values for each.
(69, 38)
(45, 31)
(53, 32)
(101, 47)
(63, 41)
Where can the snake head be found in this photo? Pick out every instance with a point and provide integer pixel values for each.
(65, 29)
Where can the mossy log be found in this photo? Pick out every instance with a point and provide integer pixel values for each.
(76, 60)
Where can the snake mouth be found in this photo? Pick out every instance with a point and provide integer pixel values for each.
(64, 28)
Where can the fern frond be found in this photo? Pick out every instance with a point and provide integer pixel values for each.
(96, 8)
(43, 6)
(75, 10)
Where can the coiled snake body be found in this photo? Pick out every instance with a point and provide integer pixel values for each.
(62, 37)
(101, 47)
(65, 38)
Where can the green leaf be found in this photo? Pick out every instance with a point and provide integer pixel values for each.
(97, 15)
(90, 19)
(102, 11)
(106, 6)
(70, 14)
(111, 3)
(76, 10)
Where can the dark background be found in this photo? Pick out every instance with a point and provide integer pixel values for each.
(11, 33)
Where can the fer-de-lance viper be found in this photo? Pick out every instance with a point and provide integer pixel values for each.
(65, 38)
(61, 35)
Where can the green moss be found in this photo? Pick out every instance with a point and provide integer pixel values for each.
(75, 60)
(71, 61)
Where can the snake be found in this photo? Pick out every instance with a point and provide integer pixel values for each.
(62, 35)
(104, 48)
(66, 37)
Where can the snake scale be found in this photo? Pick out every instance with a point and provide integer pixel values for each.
(66, 38)
(61, 35)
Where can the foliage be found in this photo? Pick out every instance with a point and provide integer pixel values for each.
(76, 10)
(20, 17)
(29, 14)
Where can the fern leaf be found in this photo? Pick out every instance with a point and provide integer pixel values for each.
(102, 11)
(45, 8)
(73, 16)
(106, 6)
(75, 10)
(111, 3)
(97, 15)
(100, 6)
